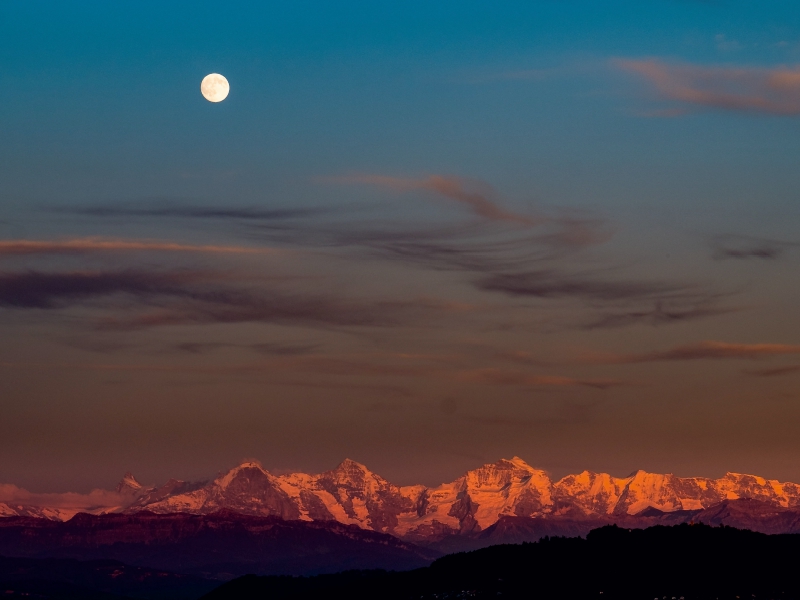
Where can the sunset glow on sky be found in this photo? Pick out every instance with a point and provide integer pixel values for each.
(422, 235)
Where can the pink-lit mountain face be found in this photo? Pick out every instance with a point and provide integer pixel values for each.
(352, 494)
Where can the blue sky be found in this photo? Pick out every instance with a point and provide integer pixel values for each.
(617, 180)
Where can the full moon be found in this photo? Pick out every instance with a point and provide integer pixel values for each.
(214, 87)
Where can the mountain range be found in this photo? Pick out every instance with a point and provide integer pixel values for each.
(217, 546)
(481, 500)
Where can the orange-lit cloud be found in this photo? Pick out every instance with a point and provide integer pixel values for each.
(80, 245)
(702, 351)
(774, 91)
(474, 194)
(507, 377)
(775, 371)
(67, 503)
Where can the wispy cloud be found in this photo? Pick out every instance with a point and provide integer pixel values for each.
(509, 377)
(68, 502)
(440, 369)
(195, 212)
(92, 244)
(773, 91)
(744, 247)
(555, 284)
(616, 302)
(328, 371)
(182, 297)
(703, 351)
(268, 348)
(470, 248)
(34, 289)
(476, 195)
(663, 312)
(510, 254)
(775, 371)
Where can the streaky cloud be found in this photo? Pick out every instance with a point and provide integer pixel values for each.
(704, 350)
(556, 284)
(757, 90)
(775, 371)
(484, 247)
(504, 377)
(663, 313)
(36, 289)
(617, 303)
(512, 255)
(92, 244)
(268, 348)
(195, 212)
(741, 247)
(478, 196)
(184, 297)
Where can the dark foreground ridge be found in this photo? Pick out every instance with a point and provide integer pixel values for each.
(68, 579)
(219, 546)
(693, 562)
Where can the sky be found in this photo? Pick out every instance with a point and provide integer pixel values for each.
(421, 235)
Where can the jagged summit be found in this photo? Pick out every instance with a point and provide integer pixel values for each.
(245, 465)
(246, 471)
(128, 484)
(473, 503)
(349, 464)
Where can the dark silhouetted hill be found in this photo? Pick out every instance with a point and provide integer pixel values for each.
(219, 546)
(693, 562)
(70, 578)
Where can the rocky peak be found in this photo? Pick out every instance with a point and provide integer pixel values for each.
(503, 473)
(348, 465)
(128, 485)
(351, 475)
(247, 471)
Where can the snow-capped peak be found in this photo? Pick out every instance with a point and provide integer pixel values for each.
(519, 463)
(224, 480)
(352, 494)
(348, 464)
(128, 484)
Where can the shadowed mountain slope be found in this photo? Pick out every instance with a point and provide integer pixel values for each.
(222, 545)
(478, 505)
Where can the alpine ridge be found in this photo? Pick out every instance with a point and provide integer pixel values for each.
(475, 502)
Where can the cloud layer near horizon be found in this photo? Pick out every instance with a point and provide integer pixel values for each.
(83, 245)
(187, 297)
(67, 501)
(705, 350)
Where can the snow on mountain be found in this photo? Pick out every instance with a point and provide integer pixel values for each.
(478, 499)
(247, 489)
(588, 493)
(354, 495)
(736, 485)
(128, 485)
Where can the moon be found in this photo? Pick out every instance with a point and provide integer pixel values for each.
(214, 87)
